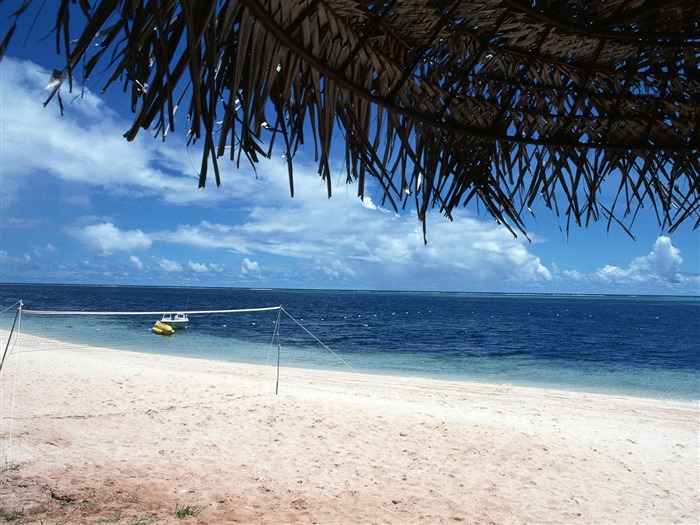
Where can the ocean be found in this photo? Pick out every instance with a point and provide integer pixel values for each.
(645, 346)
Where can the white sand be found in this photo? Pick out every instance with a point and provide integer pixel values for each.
(99, 436)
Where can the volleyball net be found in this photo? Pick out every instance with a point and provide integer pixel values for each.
(250, 335)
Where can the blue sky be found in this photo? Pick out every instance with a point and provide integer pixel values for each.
(80, 204)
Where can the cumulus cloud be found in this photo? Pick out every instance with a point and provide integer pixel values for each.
(359, 243)
(342, 241)
(107, 239)
(248, 266)
(661, 267)
(389, 253)
(197, 267)
(661, 264)
(168, 265)
(204, 267)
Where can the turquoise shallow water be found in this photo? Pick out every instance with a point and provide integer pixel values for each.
(644, 346)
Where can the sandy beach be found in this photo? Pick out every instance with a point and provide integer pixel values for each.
(102, 436)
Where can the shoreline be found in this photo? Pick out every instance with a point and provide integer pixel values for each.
(90, 434)
(53, 344)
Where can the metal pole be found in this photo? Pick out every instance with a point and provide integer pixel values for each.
(277, 385)
(19, 311)
(279, 349)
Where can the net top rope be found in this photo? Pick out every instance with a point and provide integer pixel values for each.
(160, 312)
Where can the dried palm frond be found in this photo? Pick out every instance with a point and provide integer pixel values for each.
(504, 103)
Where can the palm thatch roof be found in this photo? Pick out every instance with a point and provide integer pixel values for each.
(591, 107)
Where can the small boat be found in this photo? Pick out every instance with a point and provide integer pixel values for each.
(162, 329)
(177, 321)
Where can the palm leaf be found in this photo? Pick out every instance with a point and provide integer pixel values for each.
(499, 103)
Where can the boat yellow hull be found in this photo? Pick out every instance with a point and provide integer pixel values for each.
(162, 329)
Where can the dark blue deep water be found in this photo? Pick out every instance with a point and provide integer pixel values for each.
(645, 346)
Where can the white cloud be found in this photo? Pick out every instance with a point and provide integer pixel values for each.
(387, 251)
(205, 235)
(136, 262)
(7, 259)
(660, 268)
(205, 267)
(249, 267)
(343, 238)
(197, 267)
(86, 145)
(338, 270)
(661, 264)
(312, 227)
(48, 248)
(107, 239)
(168, 265)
